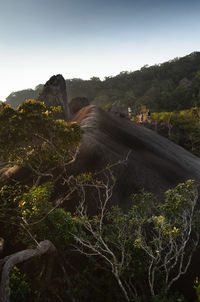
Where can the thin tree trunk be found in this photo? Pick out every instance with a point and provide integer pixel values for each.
(122, 288)
(44, 247)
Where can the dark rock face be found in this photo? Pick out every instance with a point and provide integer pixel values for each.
(154, 163)
(54, 94)
(77, 103)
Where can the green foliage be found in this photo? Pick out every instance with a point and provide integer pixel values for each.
(183, 127)
(177, 200)
(171, 298)
(20, 288)
(31, 136)
(10, 216)
(165, 236)
(172, 85)
(151, 245)
(28, 210)
(61, 225)
(44, 220)
(35, 203)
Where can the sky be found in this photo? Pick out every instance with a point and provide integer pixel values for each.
(86, 38)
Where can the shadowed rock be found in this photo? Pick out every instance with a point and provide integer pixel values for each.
(77, 103)
(54, 94)
(154, 163)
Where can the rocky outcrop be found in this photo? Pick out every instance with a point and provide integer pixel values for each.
(154, 163)
(77, 104)
(54, 94)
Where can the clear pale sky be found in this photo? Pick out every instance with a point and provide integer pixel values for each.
(85, 38)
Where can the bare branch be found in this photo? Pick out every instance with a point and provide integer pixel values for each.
(44, 247)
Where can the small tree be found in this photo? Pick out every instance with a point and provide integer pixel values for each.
(31, 137)
(161, 237)
(95, 238)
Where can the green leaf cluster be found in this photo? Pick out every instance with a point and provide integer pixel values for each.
(151, 236)
(20, 288)
(183, 127)
(30, 135)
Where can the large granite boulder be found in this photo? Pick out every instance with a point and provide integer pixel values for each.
(54, 93)
(77, 103)
(154, 163)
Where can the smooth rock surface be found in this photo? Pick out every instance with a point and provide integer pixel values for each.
(154, 163)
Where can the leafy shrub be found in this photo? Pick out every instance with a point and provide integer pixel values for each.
(20, 288)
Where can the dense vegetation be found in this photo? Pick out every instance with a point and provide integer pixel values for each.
(110, 256)
(173, 85)
(182, 127)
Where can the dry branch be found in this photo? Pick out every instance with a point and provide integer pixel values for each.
(44, 247)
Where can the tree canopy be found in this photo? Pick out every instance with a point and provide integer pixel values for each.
(172, 85)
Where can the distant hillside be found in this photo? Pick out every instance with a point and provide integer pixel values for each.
(18, 97)
(173, 85)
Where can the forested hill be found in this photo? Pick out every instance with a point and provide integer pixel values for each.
(173, 85)
(18, 97)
